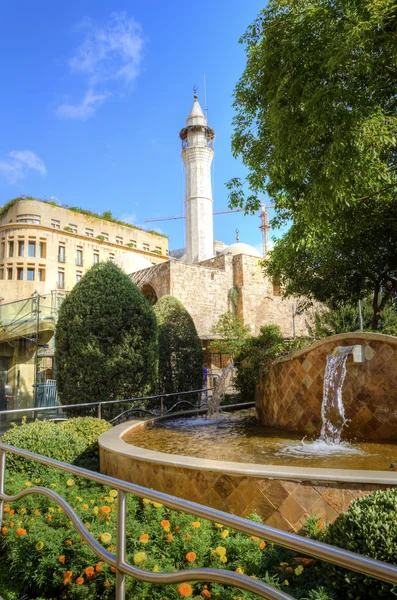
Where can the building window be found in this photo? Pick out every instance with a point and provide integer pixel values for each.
(96, 258)
(158, 250)
(61, 254)
(119, 240)
(132, 243)
(41, 275)
(19, 273)
(146, 247)
(105, 236)
(42, 250)
(55, 224)
(78, 276)
(21, 248)
(9, 273)
(79, 258)
(35, 219)
(89, 232)
(10, 249)
(111, 257)
(61, 279)
(30, 274)
(32, 249)
(72, 228)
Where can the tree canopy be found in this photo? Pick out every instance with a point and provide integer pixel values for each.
(106, 339)
(315, 120)
(180, 348)
(233, 334)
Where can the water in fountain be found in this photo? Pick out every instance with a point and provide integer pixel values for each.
(332, 413)
(218, 393)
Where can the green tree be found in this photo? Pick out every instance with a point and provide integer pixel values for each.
(338, 263)
(233, 334)
(345, 319)
(180, 348)
(106, 339)
(315, 119)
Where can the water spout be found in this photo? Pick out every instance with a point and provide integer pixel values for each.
(218, 393)
(356, 351)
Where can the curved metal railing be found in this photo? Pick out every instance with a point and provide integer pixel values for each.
(338, 556)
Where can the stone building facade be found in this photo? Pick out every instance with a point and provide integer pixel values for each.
(46, 247)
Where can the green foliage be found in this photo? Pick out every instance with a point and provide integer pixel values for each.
(106, 339)
(74, 441)
(180, 349)
(101, 238)
(369, 527)
(107, 215)
(234, 334)
(255, 356)
(345, 319)
(316, 107)
(337, 263)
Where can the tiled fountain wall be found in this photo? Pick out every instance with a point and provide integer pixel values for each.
(291, 396)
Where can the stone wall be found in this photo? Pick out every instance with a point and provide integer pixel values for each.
(291, 396)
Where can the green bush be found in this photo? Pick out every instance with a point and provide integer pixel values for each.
(369, 527)
(180, 348)
(345, 319)
(106, 339)
(74, 441)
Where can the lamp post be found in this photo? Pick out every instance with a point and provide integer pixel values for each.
(295, 311)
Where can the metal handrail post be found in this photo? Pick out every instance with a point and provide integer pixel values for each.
(99, 411)
(2, 481)
(121, 544)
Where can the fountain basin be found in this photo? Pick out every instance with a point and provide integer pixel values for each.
(283, 495)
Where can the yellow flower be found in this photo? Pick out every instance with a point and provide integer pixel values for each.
(239, 570)
(69, 483)
(51, 509)
(223, 559)
(139, 558)
(85, 507)
(92, 501)
(39, 545)
(299, 570)
(113, 493)
(155, 569)
(109, 499)
(224, 534)
(283, 564)
(79, 499)
(286, 582)
(146, 501)
(95, 510)
(28, 484)
(37, 480)
(54, 485)
(157, 504)
(220, 551)
(106, 538)
(219, 525)
(196, 524)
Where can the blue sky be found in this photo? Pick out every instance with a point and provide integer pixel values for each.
(94, 94)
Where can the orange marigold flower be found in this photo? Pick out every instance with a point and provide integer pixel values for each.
(191, 557)
(6, 509)
(166, 525)
(67, 574)
(288, 569)
(187, 536)
(105, 510)
(66, 581)
(320, 524)
(144, 538)
(185, 590)
(80, 580)
(169, 537)
(111, 548)
(108, 519)
(49, 518)
(62, 559)
(253, 537)
(4, 530)
(177, 529)
(20, 531)
(113, 569)
(89, 571)
(12, 513)
(262, 545)
(98, 567)
(196, 524)
(68, 542)
(206, 594)
(37, 512)
(11, 524)
(106, 583)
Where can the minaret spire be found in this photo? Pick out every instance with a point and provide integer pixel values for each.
(197, 154)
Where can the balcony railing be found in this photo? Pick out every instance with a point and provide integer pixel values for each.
(344, 558)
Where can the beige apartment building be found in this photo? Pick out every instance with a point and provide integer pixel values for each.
(46, 247)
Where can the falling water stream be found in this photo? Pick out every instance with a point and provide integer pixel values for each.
(219, 392)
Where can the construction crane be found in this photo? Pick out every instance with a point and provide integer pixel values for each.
(264, 218)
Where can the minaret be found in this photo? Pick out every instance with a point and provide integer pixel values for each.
(197, 153)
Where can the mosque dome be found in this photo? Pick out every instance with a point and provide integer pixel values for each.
(240, 248)
(131, 262)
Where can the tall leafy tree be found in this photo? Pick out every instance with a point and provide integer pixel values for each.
(233, 334)
(315, 120)
(180, 348)
(106, 339)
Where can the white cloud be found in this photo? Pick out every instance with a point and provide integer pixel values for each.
(18, 163)
(85, 109)
(108, 57)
